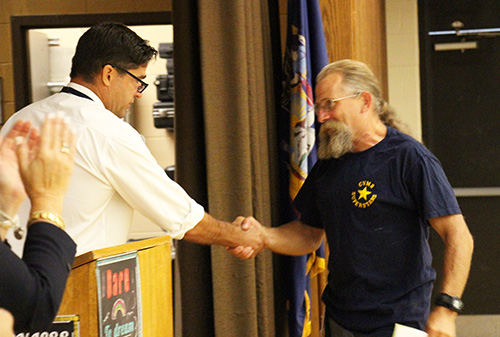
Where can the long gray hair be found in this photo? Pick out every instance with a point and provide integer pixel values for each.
(357, 76)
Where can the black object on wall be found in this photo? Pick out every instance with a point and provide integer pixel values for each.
(164, 111)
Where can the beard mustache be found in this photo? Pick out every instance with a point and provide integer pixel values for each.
(335, 139)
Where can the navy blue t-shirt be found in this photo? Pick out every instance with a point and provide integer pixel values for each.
(374, 206)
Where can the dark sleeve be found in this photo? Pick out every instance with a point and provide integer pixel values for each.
(305, 201)
(32, 288)
(431, 189)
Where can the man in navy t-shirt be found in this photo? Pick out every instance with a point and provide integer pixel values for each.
(375, 192)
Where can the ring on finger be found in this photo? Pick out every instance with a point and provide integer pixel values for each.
(65, 147)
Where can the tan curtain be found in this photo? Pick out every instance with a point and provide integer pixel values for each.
(231, 166)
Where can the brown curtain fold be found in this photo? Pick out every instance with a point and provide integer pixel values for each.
(227, 131)
(192, 260)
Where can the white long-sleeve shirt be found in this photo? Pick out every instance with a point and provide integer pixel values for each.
(114, 174)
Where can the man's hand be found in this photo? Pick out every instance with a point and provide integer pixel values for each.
(251, 227)
(441, 323)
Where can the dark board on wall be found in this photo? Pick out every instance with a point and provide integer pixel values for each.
(461, 123)
(473, 13)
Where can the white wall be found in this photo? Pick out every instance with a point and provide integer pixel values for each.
(403, 62)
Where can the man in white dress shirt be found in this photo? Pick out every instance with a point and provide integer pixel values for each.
(115, 172)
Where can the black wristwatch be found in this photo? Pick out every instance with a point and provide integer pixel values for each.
(450, 302)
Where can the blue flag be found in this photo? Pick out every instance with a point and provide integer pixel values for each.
(305, 56)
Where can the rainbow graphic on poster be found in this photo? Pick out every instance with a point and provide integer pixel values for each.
(119, 305)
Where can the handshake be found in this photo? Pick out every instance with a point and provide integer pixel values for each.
(248, 238)
(245, 237)
(251, 238)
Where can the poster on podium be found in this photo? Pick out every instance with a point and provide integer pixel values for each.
(119, 296)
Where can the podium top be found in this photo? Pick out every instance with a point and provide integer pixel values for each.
(120, 249)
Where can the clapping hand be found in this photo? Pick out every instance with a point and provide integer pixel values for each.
(46, 164)
(12, 191)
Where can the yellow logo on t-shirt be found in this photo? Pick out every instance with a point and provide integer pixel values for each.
(363, 197)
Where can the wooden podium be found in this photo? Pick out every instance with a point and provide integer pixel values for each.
(155, 270)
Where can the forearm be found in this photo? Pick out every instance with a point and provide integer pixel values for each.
(459, 246)
(207, 231)
(458, 255)
(9, 208)
(293, 238)
(212, 231)
(48, 203)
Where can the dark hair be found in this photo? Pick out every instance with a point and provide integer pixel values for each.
(109, 43)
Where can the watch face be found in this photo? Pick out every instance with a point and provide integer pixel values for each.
(456, 303)
(450, 302)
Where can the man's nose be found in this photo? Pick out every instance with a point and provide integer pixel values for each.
(323, 115)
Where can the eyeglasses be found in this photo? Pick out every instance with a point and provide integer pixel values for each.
(329, 104)
(143, 85)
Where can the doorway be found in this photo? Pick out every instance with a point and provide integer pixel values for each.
(20, 25)
(460, 68)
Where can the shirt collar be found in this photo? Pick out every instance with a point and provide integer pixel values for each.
(86, 91)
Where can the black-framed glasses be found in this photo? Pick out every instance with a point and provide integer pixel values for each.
(329, 104)
(143, 85)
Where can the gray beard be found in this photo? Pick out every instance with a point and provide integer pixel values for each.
(335, 139)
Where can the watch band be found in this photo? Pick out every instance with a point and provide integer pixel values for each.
(47, 216)
(451, 302)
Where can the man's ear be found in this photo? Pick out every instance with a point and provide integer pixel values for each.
(107, 75)
(367, 99)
